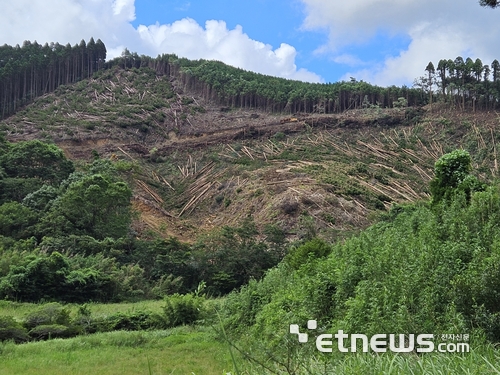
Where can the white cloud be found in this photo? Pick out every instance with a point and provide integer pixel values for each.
(216, 42)
(441, 29)
(348, 59)
(125, 9)
(70, 21)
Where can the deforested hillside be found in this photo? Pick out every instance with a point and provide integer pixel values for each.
(205, 145)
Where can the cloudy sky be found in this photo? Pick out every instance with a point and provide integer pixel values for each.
(384, 42)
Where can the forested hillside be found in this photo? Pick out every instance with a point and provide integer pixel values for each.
(32, 70)
(199, 132)
(467, 84)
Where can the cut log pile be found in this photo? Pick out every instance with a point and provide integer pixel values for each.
(204, 179)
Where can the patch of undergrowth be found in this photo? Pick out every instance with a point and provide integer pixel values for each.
(55, 320)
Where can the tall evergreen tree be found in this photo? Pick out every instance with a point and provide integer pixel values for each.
(32, 70)
(431, 71)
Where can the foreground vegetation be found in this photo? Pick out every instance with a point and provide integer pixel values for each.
(178, 351)
(188, 351)
(202, 349)
(429, 267)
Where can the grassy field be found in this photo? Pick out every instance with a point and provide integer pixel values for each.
(20, 310)
(196, 351)
(178, 351)
(484, 360)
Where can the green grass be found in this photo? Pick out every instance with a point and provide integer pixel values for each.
(183, 350)
(20, 310)
(476, 362)
(110, 308)
(187, 350)
(481, 360)
(16, 309)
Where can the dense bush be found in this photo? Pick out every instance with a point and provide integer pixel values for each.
(16, 221)
(182, 309)
(10, 329)
(313, 249)
(452, 174)
(54, 320)
(48, 314)
(58, 277)
(35, 159)
(230, 257)
(128, 321)
(52, 331)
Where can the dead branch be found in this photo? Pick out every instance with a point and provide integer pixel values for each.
(126, 153)
(150, 191)
(193, 201)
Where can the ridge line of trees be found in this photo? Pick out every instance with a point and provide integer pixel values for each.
(465, 84)
(32, 70)
(235, 87)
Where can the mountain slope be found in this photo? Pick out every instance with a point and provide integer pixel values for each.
(196, 165)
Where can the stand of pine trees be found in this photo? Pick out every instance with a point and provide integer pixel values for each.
(32, 70)
(465, 84)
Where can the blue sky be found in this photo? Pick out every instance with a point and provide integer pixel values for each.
(269, 21)
(273, 22)
(385, 42)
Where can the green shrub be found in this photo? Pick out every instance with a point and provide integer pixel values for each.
(182, 309)
(51, 331)
(452, 174)
(313, 249)
(279, 136)
(48, 314)
(10, 329)
(129, 321)
(167, 285)
(16, 220)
